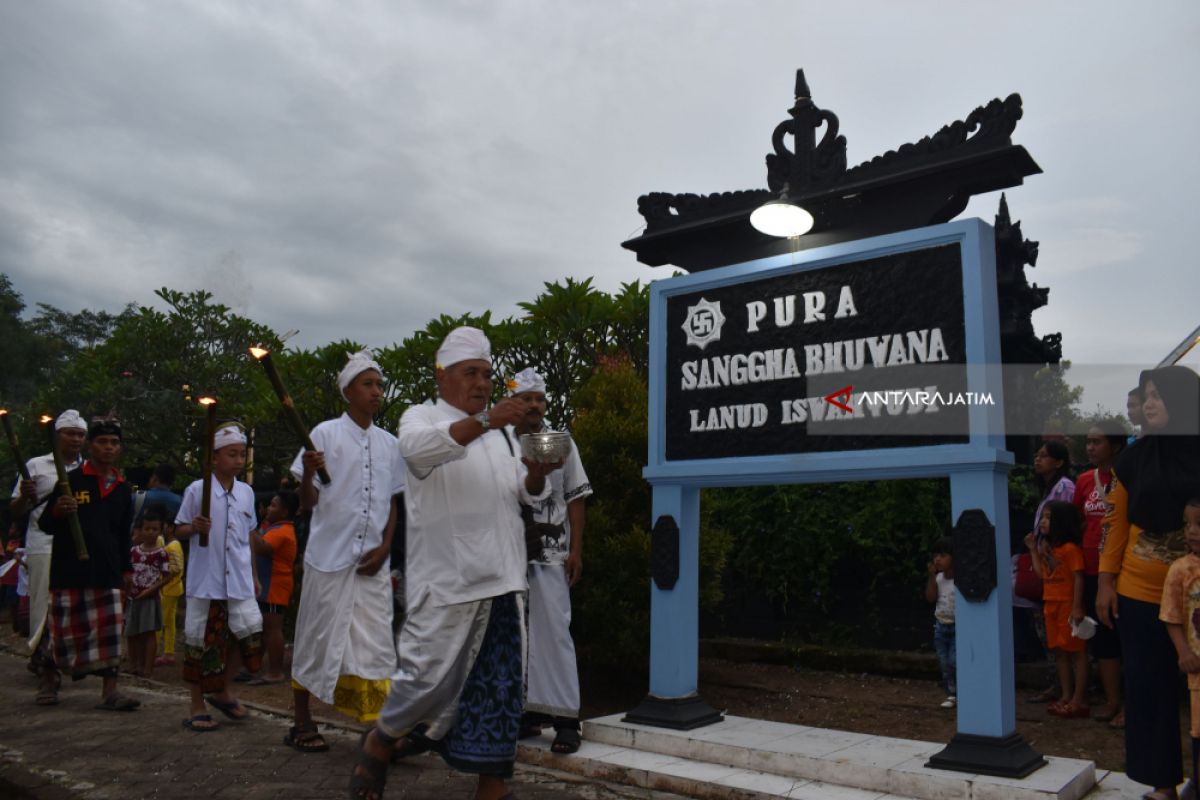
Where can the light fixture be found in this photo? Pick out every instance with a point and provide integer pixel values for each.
(781, 217)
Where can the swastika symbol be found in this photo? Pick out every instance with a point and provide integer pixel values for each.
(703, 323)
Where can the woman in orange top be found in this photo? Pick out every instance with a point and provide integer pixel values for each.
(1142, 536)
(1059, 559)
(275, 554)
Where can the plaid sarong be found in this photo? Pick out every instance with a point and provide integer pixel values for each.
(85, 625)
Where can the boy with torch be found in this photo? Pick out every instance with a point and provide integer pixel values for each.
(221, 610)
(38, 478)
(345, 651)
(86, 616)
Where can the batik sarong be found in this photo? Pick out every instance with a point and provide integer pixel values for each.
(210, 629)
(85, 625)
(460, 681)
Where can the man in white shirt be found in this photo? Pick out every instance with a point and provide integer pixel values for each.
(552, 676)
(345, 651)
(29, 498)
(459, 684)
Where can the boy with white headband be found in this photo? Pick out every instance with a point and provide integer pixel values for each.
(345, 651)
(221, 606)
(552, 676)
(29, 497)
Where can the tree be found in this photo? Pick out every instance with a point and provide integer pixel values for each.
(612, 604)
(154, 364)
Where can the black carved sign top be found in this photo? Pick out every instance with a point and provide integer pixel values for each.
(743, 360)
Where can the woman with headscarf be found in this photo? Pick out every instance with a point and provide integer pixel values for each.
(1142, 535)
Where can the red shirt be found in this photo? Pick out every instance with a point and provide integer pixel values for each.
(1092, 508)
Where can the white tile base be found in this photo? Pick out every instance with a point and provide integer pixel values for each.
(750, 759)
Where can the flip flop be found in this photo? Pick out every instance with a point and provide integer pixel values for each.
(265, 682)
(118, 702)
(46, 697)
(228, 709)
(190, 723)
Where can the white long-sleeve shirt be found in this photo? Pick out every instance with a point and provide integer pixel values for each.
(365, 472)
(466, 540)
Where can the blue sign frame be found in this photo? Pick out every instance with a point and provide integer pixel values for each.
(977, 471)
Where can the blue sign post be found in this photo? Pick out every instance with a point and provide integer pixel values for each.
(736, 358)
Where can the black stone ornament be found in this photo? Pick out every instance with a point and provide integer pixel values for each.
(974, 555)
(664, 553)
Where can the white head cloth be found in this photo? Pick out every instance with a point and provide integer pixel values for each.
(463, 344)
(359, 363)
(527, 380)
(227, 435)
(70, 419)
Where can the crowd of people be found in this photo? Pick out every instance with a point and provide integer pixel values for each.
(483, 653)
(1110, 573)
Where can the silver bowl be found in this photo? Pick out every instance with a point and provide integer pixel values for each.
(546, 447)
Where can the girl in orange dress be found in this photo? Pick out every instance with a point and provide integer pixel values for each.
(1059, 559)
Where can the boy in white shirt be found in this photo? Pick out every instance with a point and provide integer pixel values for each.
(221, 606)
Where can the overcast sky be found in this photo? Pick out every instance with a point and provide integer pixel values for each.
(352, 169)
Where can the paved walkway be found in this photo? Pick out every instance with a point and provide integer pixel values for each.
(74, 752)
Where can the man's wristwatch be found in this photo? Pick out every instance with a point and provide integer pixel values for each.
(483, 419)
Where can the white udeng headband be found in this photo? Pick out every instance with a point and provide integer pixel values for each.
(463, 344)
(229, 434)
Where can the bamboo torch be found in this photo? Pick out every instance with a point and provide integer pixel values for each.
(289, 408)
(14, 445)
(210, 437)
(64, 486)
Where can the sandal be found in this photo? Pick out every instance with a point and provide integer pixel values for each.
(229, 709)
(370, 786)
(566, 741)
(408, 746)
(118, 702)
(190, 723)
(306, 739)
(47, 697)
(1118, 722)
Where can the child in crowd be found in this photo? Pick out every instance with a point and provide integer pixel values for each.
(170, 594)
(151, 570)
(9, 575)
(1180, 610)
(939, 589)
(221, 611)
(275, 553)
(1059, 559)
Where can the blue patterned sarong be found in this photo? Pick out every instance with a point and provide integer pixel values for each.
(484, 739)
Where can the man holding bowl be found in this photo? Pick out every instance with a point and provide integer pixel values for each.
(459, 686)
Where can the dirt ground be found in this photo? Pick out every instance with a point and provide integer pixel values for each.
(899, 707)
